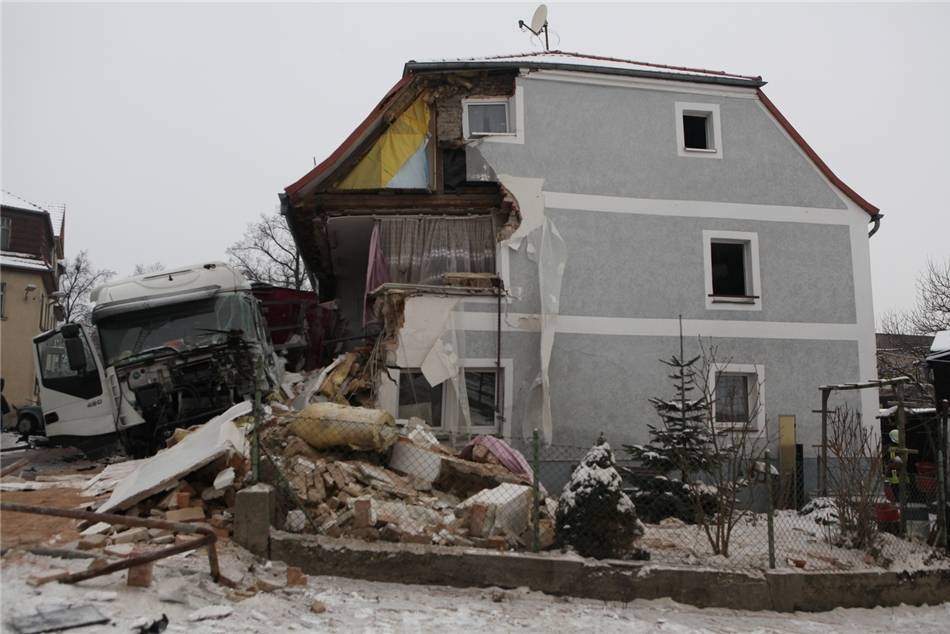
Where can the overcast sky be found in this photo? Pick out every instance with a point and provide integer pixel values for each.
(165, 128)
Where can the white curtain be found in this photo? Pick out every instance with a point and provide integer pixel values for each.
(421, 250)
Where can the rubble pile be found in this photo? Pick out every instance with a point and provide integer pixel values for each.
(352, 472)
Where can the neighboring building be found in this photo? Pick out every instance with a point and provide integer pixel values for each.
(32, 247)
(904, 355)
(608, 198)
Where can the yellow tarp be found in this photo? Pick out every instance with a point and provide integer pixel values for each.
(391, 151)
(329, 425)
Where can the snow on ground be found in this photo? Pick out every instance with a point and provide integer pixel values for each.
(182, 588)
(797, 538)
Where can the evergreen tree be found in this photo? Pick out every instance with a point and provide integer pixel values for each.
(680, 442)
(594, 516)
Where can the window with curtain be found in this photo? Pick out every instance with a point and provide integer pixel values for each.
(422, 250)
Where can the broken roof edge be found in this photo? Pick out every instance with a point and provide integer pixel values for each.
(315, 175)
(786, 125)
(686, 75)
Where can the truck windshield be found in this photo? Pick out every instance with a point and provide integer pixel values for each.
(177, 327)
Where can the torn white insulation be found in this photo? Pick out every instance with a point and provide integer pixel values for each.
(546, 247)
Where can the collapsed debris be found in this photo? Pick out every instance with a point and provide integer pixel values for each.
(351, 472)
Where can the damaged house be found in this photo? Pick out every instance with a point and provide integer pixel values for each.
(514, 239)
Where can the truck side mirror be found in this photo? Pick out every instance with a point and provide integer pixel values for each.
(75, 351)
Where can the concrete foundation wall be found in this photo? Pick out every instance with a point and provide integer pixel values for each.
(783, 591)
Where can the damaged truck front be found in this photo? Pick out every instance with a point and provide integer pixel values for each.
(164, 351)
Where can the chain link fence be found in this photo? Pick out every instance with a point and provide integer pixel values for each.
(368, 480)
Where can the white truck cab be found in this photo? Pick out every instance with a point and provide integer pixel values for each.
(164, 350)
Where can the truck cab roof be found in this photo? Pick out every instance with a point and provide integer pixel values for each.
(174, 285)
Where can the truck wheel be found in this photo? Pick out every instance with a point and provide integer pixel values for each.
(26, 424)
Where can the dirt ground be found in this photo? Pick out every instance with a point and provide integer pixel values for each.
(22, 529)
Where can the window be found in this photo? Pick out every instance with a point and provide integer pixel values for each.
(418, 398)
(738, 399)
(729, 269)
(59, 377)
(732, 398)
(698, 130)
(481, 387)
(487, 118)
(438, 406)
(6, 225)
(495, 119)
(731, 261)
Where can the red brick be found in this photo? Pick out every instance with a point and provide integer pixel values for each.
(295, 576)
(140, 576)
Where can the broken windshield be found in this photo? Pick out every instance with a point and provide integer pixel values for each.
(175, 327)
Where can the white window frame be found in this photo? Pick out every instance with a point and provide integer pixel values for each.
(711, 112)
(451, 414)
(514, 107)
(756, 374)
(753, 276)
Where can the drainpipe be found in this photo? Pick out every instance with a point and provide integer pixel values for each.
(876, 220)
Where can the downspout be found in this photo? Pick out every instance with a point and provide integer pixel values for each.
(876, 221)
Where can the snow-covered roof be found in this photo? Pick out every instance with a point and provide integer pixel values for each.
(23, 261)
(886, 412)
(566, 60)
(56, 211)
(12, 200)
(941, 342)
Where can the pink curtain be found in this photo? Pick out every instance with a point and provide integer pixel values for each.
(377, 273)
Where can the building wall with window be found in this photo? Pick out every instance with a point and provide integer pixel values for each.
(31, 243)
(640, 218)
(652, 197)
(25, 314)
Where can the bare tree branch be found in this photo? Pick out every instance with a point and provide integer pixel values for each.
(79, 279)
(267, 253)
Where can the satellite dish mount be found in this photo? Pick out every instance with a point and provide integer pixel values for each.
(539, 23)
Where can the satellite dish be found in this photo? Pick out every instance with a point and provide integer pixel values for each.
(540, 18)
(539, 23)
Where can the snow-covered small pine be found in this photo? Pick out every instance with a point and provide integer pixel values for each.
(594, 516)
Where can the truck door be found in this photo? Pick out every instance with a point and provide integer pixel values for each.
(74, 393)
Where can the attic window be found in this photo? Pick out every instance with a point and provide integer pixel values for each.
(698, 132)
(486, 117)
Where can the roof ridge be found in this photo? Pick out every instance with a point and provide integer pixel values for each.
(607, 58)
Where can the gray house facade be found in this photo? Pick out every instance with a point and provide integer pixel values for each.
(524, 237)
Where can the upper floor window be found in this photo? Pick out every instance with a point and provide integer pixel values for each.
(731, 263)
(488, 117)
(5, 229)
(698, 130)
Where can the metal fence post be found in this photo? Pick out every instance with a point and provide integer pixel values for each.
(536, 490)
(942, 537)
(771, 507)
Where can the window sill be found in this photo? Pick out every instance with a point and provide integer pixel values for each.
(482, 135)
(734, 299)
(735, 427)
(700, 149)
